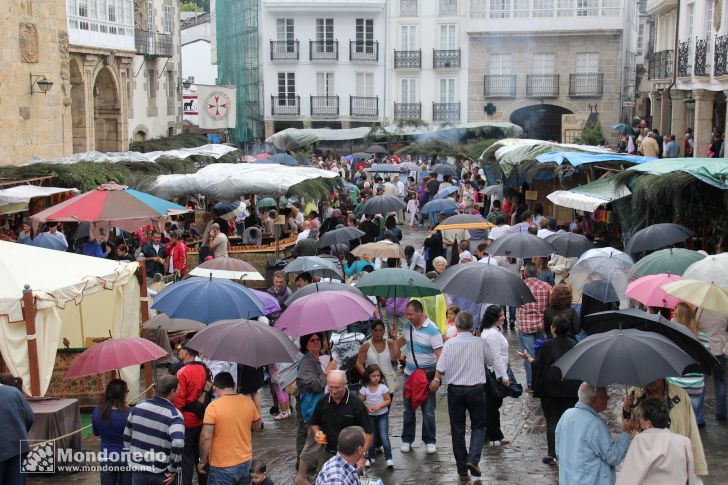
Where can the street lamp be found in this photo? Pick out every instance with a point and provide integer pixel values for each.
(187, 83)
(43, 84)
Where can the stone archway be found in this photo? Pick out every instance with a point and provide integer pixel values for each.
(78, 108)
(540, 121)
(107, 113)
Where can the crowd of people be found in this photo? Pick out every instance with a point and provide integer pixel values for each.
(650, 143)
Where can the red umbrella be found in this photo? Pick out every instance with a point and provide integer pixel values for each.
(261, 156)
(114, 354)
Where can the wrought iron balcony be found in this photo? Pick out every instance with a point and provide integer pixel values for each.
(363, 51)
(702, 68)
(364, 106)
(661, 65)
(153, 44)
(408, 59)
(683, 59)
(407, 111)
(449, 112)
(285, 105)
(542, 85)
(590, 85)
(284, 50)
(720, 56)
(323, 50)
(448, 7)
(499, 85)
(445, 59)
(324, 106)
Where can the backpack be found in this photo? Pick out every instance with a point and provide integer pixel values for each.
(199, 405)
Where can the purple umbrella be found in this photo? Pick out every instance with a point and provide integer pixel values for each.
(324, 311)
(270, 304)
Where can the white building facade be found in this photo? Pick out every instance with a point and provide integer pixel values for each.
(197, 62)
(323, 63)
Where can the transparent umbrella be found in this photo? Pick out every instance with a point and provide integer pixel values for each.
(604, 278)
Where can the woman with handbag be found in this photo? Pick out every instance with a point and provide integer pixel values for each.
(311, 381)
(490, 331)
(382, 352)
(556, 395)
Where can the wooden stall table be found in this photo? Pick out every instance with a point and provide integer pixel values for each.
(55, 417)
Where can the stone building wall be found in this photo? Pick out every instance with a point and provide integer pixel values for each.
(34, 40)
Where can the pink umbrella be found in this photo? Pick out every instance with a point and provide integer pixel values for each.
(648, 290)
(114, 354)
(270, 304)
(323, 311)
(261, 156)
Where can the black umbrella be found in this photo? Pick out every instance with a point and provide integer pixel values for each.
(383, 204)
(657, 236)
(637, 319)
(376, 149)
(340, 236)
(484, 283)
(520, 245)
(360, 156)
(569, 245)
(630, 357)
(322, 286)
(444, 169)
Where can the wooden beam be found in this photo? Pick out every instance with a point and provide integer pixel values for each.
(30, 331)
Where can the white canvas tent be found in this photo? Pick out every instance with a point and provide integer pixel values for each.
(75, 297)
(17, 199)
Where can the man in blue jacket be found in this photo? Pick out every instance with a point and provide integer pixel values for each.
(16, 418)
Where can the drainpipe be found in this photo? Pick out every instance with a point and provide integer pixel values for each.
(674, 53)
(385, 51)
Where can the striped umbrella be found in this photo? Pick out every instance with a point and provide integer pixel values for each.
(111, 205)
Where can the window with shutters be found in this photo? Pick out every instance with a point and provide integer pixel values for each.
(408, 91)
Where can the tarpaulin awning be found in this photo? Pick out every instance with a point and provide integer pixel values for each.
(580, 158)
(228, 181)
(211, 150)
(17, 199)
(713, 171)
(589, 197)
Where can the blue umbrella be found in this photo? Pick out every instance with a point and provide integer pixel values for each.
(229, 211)
(439, 205)
(446, 192)
(45, 240)
(208, 300)
(284, 159)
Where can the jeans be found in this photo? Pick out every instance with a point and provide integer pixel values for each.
(553, 408)
(428, 421)
(719, 380)
(191, 456)
(470, 399)
(512, 315)
(380, 433)
(110, 477)
(527, 341)
(149, 478)
(10, 472)
(230, 475)
(698, 402)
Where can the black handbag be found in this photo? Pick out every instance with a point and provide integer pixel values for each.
(499, 391)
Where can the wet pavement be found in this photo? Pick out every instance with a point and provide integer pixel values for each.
(516, 463)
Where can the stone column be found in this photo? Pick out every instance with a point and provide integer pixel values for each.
(345, 124)
(269, 128)
(656, 109)
(665, 107)
(89, 72)
(703, 125)
(678, 117)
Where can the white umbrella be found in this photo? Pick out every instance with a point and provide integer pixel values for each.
(713, 268)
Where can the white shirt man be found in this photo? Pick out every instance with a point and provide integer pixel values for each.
(401, 192)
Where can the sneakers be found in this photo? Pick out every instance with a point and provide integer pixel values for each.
(390, 463)
(406, 447)
(431, 448)
(283, 415)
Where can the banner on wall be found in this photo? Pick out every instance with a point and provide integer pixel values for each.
(216, 106)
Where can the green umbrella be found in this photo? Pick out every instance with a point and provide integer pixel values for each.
(397, 282)
(267, 203)
(670, 261)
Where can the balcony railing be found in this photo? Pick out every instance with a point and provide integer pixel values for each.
(445, 59)
(499, 85)
(364, 106)
(683, 59)
(153, 43)
(324, 106)
(542, 85)
(285, 105)
(408, 8)
(323, 50)
(366, 51)
(720, 56)
(446, 112)
(702, 68)
(407, 111)
(448, 7)
(661, 65)
(590, 85)
(284, 50)
(408, 59)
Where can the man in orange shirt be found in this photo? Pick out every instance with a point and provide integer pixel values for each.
(226, 441)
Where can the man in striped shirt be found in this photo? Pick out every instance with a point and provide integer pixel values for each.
(463, 362)
(422, 353)
(155, 436)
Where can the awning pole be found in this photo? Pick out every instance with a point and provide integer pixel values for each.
(30, 331)
(148, 374)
